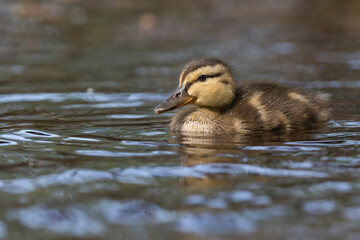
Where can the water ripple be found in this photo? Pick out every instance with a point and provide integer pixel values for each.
(81, 139)
(87, 97)
(3, 230)
(4, 143)
(105, 105)
(36, 133)
(319, 207)
(134, 212)
(70, 177)
(331, 186)
(67, 221)
(103, 153)
(203, 170)
(126, 116)
(14, 137)
(282, 148)
(218, 224)
(352, 213)
(345, 123)
(332, 143)
(145, 175)
(218, 168)
(25, 135)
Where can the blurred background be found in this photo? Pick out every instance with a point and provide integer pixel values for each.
(84, 157)
(112, 46)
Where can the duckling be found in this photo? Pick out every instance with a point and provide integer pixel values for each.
(220, 106)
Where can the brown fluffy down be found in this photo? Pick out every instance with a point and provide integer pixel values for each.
(220, 106)
(258, 106)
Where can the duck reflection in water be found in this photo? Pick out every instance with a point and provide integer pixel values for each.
(228, 150)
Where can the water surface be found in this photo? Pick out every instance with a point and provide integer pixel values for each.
(83, 155)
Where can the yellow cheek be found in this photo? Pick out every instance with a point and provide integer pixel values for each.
(206, 94)
(194, 90)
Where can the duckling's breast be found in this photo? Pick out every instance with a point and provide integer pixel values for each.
(203, 120)
(196, 119)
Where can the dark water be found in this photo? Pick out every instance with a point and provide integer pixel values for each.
(84, 157)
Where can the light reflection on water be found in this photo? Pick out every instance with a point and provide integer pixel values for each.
(83, 155)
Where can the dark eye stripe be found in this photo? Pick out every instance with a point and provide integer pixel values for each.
(215, 75)
(203, 78)
(187, 85)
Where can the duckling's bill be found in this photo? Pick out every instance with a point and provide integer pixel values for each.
(178, 99)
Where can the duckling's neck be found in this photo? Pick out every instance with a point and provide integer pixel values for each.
(210, 111)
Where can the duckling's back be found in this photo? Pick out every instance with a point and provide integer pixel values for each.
(269, 106)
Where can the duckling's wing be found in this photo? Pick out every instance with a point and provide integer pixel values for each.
(269, 106)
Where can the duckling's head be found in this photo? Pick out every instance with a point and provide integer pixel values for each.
(205, 82)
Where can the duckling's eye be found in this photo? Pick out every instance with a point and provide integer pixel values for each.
(201, 78)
